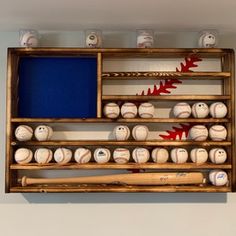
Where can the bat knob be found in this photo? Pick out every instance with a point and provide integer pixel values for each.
(23, 181)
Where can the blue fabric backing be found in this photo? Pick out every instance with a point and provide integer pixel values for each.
(57, 87)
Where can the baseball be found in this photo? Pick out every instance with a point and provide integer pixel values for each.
(121, 132)
(218, 155)
(182, 110)
(43, 133)
(111, 110)
(29, 39)
(218, 132)
(82, 155)
(199, 155)
(146, 110)
(207, 40)
(179, 155)
(140, 155)
(140, 132)
(200, 110)
(121, 155)
(43, 155)
(102, 155)
(23, 155)
(218, 177)
(198, 133)
(93, 40)
(24, 133)
(160, 155)
(145, 40)
(129, 110)
(62, 155)
(218, 110)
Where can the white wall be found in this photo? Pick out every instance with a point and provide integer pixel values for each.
(103, 213)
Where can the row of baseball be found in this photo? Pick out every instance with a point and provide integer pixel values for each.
(120, 155)
(196, 133)
(41, 133)
(128, 110)
(200, 110)
(122, 132)
(180, 110)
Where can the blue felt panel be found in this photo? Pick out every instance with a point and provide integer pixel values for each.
(57, 87)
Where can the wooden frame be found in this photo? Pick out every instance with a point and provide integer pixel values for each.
(226, 75)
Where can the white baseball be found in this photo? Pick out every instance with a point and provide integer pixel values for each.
(182, 110)
(146, 110)
(140, 132)
(179, 155)
(121, 132)
(207, 40)
(111, 110)
(23, 156)
(200, 110)
(102, 155)
(160, 155)
(145, 40)
(218, 177)
(82, 155)
(43, 155)
(43, 133)
(140, 155)
(29, 39)
(218, 110)
(218, 155)
(24, 133)
(129, 110)
(198, 133)
(62, 155)
(199, 155)
(121, 155)
(93, 40)
(218, 132)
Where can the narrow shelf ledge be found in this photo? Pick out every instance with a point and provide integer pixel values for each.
(149, 165)
(147, 75)
(120, 143)
(112, 188)
(165, 97)
(119, 120)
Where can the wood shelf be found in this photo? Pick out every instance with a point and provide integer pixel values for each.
(75, 166)
(113, 188)
(164, 75)
(121, 143)
(186, 57)
(119, 120)
(165, 97)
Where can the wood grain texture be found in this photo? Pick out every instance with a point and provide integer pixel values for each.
(157, 143)
(99, 85)
(119, 189)
(227, 76)
(119, 120)
(166, 97)
(110, 165)
(164, 75)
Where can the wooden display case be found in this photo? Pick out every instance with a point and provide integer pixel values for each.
(19, 112)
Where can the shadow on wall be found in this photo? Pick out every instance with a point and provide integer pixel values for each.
(113, 198)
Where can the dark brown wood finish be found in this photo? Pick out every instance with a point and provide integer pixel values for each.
(164, 75)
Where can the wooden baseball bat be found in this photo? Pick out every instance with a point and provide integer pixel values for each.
(172, 178)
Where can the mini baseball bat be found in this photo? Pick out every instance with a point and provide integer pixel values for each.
(126, 179)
